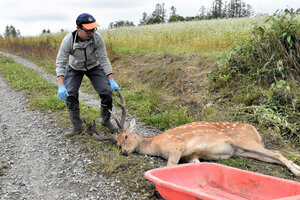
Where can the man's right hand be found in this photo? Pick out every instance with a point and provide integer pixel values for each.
(62, 92)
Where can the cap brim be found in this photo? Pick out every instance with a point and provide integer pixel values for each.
(91, 25)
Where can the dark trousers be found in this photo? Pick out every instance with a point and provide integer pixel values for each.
(99, 80)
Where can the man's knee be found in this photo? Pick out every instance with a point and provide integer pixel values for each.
(106, 100)
(72, 103)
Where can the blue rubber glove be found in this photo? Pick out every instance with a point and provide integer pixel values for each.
(113, 84)
(62, 92)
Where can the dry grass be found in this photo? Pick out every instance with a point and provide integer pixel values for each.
(181, 76)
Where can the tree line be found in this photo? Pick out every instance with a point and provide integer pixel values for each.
(218, 9)
(11, 31)
(233, 9)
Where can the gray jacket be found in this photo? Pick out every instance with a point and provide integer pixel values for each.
(82, 56)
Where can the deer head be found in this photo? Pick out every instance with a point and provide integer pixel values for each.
(125, 138)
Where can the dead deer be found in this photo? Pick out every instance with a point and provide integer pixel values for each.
(190, 142)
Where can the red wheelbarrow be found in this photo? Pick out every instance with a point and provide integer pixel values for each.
(213, 181)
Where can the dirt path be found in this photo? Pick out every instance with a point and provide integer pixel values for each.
(42, 164)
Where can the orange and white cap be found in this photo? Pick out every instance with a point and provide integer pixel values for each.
(87, 21)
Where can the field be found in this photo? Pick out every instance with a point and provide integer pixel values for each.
(237, 70)
(196, 36)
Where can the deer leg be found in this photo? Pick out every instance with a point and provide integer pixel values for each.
(194, 160)
(290, 164)
(296, 166)
(260, 153)
(255, 155)
(174, 158)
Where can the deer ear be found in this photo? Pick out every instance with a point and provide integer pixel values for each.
(132, 125)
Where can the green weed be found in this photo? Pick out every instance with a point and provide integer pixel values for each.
(47, 65)
(154, 112)
(3, 166)
(263, 73)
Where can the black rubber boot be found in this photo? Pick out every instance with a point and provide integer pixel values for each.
(105, 120)
(74, 116)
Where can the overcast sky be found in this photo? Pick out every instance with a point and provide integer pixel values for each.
(32, 16)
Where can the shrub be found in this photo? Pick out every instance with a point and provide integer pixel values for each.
(264, 71)
(270, 55)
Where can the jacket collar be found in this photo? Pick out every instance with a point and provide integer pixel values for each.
(77, 42)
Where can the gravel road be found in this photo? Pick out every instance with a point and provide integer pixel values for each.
(41, 163)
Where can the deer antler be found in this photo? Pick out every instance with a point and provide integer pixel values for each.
(123, 106)
(101, 136)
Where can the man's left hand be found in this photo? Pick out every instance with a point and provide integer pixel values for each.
(113, 84)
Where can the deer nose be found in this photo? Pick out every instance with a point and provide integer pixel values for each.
(124, 153)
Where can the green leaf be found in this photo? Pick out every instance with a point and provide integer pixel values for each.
(289, 39)
(261, 30)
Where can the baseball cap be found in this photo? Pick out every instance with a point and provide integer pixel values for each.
(87, 21)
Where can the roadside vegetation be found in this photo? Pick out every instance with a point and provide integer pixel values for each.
(263, 75)
(237, 70)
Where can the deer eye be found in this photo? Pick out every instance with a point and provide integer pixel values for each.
(126, 137)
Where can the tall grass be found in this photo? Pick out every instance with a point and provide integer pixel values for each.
(196, 36)
(43, 46)
(42, 49)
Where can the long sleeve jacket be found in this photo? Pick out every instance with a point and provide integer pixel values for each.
(82, 56)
